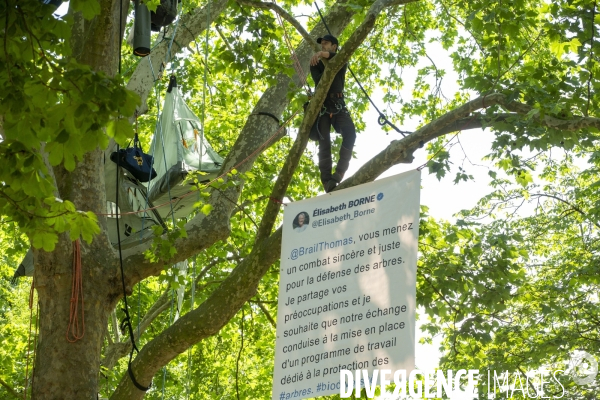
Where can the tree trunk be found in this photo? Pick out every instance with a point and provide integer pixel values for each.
(65, 370)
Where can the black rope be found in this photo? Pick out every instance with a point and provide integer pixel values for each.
(268, 115)
(382, 120)
(126, 322)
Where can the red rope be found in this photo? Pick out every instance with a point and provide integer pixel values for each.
(75, 330)
(277, 201)
(296, 62)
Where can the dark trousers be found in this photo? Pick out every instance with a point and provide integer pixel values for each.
(338, 117)
(341, 122)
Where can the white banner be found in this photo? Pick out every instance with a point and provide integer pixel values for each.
(347, 286)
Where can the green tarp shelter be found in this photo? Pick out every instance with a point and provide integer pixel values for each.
(179, 147)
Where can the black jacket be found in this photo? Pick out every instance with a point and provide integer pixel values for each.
(337, 86)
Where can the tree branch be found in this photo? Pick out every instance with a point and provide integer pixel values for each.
(285, 15)
(223, 38)
(205, 230)
(400, 151)
(267, 314)
(573, 206)
(9, 389)
(142, 80)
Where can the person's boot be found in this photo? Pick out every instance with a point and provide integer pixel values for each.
(329, 185)
(342, 165)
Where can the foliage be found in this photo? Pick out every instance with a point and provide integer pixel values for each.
(506, 291)
(54, 103)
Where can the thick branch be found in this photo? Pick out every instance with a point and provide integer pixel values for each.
(400, 151)
(332, 68)
(192, 24)
(203, 231)
(549, 121)
(285, 15)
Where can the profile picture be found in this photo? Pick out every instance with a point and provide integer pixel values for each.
(300, 222)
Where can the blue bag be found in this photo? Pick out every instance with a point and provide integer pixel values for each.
(135, 161)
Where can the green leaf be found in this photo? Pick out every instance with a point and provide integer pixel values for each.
(206, 209)
(56, 154)
(45, 240)
(62, 137)
(89, 8)
(574, 45)
(121, 130)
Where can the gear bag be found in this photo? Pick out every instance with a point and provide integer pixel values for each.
(135, 161)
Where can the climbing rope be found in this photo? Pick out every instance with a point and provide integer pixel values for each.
(126, 322)
(75, 330)
(295, 60)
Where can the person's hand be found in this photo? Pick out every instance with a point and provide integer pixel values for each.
(314, 60)
(320, 54)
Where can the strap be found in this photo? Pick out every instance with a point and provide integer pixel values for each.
(132, 377)
(268, 115)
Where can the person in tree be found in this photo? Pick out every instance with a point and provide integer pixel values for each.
(334, 112)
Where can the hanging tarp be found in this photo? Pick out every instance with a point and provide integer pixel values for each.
(134, 228)
(25, 268)
(179, 148)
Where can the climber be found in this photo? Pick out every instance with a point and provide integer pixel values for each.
(334, 112)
